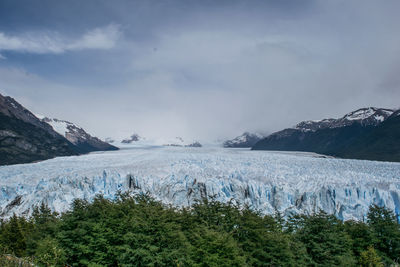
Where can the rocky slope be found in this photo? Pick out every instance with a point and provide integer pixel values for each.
(78, 136)
(25, 138)
(382, 142)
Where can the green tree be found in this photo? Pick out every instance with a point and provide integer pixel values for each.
(361, 235)
(44, 224)
(212, 248)
(139, 231)
(49, 253)
(369, 258)
(73, 234)
(264, 243)
(12, 236)
(386, 231)
(324, 238)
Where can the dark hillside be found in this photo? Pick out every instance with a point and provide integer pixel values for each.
(22, 142)
(356, 139)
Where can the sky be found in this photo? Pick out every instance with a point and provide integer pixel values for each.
(203, 70)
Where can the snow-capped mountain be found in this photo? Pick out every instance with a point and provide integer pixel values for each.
(133, 138)
(364, 116)
(25, 138)
(352, 136)
(180, 142)
(78, 136)
(396, 113)
(291, 183)
(245, 140)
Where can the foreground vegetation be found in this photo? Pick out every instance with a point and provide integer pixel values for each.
(139, 231)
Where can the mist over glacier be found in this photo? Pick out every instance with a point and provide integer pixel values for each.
(265, 180)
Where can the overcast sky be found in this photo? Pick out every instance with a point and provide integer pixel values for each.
(199, 69)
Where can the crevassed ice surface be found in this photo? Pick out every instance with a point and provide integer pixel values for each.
(265, 180)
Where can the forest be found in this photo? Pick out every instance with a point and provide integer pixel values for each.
(137, 230)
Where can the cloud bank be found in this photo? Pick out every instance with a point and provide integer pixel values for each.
(55, 43)
(204, 70)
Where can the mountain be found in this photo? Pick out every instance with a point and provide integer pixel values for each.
(367, 133)
(245, 140)
(25, 138)
(382, 142)
(363, 116)
(78, 136)
(133, 138)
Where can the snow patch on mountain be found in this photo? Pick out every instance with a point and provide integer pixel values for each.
(78, 136)
(60, 126)
(379, 118)
(65, 128)
(360, 114)
(369, 115)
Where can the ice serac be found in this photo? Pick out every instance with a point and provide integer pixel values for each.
(267, 181)
(78, 136)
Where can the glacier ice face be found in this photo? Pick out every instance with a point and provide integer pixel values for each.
(265, 180)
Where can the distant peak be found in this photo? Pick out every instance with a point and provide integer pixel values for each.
(364, 113)
(365, 116)
(133, 138)
(247, 139)
(77, 135)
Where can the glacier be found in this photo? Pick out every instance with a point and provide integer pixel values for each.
(267, 181)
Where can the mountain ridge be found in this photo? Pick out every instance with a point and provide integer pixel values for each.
(244, 140)
(25, 138)
(78, 136)
(345, 137)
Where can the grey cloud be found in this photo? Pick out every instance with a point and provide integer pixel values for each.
(55, 43)
(211, 71)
